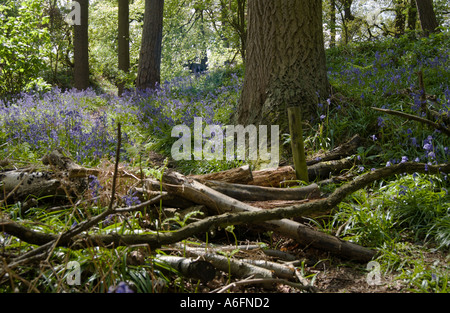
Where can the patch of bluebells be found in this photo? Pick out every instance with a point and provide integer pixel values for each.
(58, 119)
(131, 200)
(180, 100)
(391, 70)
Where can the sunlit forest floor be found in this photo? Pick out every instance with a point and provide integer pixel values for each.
(406, 218)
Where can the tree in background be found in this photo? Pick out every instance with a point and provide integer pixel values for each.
(81, 48)
(149, 70)
(22, 35)
(123, 41)
(285, 64)
(427, 16)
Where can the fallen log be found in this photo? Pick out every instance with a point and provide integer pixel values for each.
(195, 191)
(229, 265)
(325, 169)
(340, 152)
(190, 268)
(20, 184)
(274, 177)
(258, 193)
(240, 175)
(285, 176)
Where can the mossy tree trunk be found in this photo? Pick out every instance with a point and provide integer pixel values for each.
(285, 61)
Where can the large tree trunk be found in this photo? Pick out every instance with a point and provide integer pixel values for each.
(285, 63)
(150, 56)
(81, 48)
(427, 16)
(124, 41)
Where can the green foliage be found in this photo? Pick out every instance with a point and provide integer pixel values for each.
(411, 202)
(23, 41)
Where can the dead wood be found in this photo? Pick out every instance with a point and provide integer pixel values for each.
(258, 193)
(188, 267)
(240, 175)
(274, 177)
(342, 151)
(230, 265)
(195, 191)
(325, 169)
(437, 125)
(78, 240)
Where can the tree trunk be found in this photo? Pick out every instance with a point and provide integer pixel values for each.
(285, 63)
(333, 24)
(81, 48)
(123, 41)
(400, 18)
(412, 15)
(427, 16)
(150, 56)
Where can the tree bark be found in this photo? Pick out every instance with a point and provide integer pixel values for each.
(81, 48)
(285, 63)
(257, 193)
(240, 175)
(149, 70)
(427, 16)
(123, 41)
(412, 15)
(195, 269)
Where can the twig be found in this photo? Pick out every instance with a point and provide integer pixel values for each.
(437, 126)
(265, 281)
(116, 167)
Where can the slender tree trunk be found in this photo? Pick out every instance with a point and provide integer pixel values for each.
(412, 15)
(285, 63)
(81, 48)
(123, 41)
(400, 18)
(150, 56)
(427, 16)
(332, 23)
(348, 10)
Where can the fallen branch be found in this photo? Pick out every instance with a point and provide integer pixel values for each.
(240, 175)
(340, 152)
(233, 266)
(190, 268)
(307, 288)
(156, 240)
(192, 190)
(257, 193)
(437, 126)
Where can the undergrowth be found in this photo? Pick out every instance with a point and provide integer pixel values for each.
(405, 218)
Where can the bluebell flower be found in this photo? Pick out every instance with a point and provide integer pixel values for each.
(122, 287)
(403, 191)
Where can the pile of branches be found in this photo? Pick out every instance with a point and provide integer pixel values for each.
(234, 197)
